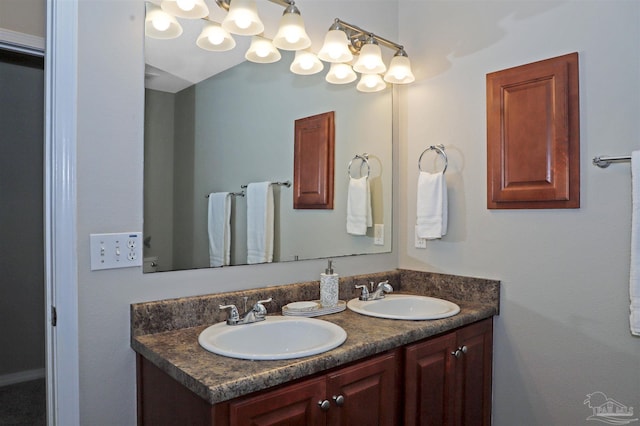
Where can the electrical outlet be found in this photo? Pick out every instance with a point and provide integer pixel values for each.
(109, 251)
(420, 243)
(378, 231)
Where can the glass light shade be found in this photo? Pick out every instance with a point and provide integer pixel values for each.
(215, 38)
(335, 48)
(370, 60)
(291, 33)
(262, 51)
(340, 74)
(243, 18)
(160, 24)
(399, 71)
(371, 83)
(306, 63)
(191, 9)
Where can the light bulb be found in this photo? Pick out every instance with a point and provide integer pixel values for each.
(161, 22)
(186, 5)
(341, 72)
(306, 63)
(243, 22)
(262, 51)
(216, 38)
(292, 37)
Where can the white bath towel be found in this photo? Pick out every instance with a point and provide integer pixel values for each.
(359, 206)
(634, 275)
(219, 224)
(260, 222)
(431, 215)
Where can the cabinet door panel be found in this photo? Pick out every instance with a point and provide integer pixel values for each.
(295, 405)
(473, 375)
(429, 387)
(369, 390)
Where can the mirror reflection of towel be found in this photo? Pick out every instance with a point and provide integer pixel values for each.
(260, 221)
(431, 215)
(219, 225)
(358, 206)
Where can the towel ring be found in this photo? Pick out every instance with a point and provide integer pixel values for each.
(440, 150)
(365, 160)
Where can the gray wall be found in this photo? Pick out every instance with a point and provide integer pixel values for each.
(563, 330)
(21, 245)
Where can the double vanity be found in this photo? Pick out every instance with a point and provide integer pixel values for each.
(361, 367)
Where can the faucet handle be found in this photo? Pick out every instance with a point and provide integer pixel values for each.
(365, 292)
(259, 308)
(234, 315)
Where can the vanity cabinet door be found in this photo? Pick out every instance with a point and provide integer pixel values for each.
(294, 405)
(473, 374)
(448, 378)
(365, 393)
(429, 384)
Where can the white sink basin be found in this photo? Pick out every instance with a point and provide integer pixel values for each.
(274, 338)
(405, 307)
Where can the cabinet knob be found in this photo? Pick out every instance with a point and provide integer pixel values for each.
(460, 351)
(324, 405)
(339, 400)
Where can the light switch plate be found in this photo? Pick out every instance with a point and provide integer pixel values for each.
(120, 250)
(378, 237)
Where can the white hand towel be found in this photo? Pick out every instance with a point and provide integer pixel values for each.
(634, 275)
(358, 206)
(219, 224)
(431, 218)
(260, 220)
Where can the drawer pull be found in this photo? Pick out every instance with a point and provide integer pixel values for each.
(324, 405)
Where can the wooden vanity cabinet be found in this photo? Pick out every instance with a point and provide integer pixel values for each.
(448, 378)
(365, 393)
(423, 383)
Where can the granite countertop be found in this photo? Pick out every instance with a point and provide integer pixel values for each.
(217, 378)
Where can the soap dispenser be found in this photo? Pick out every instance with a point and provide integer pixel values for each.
(329, 287)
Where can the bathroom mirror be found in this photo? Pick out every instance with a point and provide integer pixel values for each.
(237, 127)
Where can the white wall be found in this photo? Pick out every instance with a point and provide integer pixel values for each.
(110, 196)
(563, 331)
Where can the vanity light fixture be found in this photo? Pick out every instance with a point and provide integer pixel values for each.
(291, 33)
(190, 9)
(370, 58)
(340, 73)
(371, 83)
(342, 42)
(336, 46)
(399, 71)
(160, 24)
(242, 18)
(306, 63)
(262, 51)
(366, 46)
(215, 38)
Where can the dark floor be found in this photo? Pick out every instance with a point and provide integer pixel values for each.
(23, 404)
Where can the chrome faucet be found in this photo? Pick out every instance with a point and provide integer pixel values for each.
(382, 288)
(257, 313)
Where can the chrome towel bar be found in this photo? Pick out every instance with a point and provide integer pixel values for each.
(604, 162)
